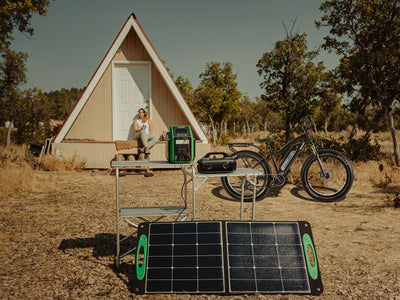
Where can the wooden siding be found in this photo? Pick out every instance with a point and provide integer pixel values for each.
(95, 119)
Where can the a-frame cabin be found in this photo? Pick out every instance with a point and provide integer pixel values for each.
(131, 76)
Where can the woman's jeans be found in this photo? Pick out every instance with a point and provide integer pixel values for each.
(143, 137)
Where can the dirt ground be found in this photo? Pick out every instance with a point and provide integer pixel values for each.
(60, 244)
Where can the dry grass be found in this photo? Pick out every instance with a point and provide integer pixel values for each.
(57, 237)
(18, 174)
(53, 163)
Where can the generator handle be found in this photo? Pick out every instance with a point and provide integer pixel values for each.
(216, 153)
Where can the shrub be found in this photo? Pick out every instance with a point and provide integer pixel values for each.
(17, 173)
(355, 149)
(53, 163)
(224, 139)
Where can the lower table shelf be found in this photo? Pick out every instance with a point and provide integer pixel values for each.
(144, 213)
(157, 211)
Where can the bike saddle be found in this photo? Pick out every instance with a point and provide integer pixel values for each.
(267, 140)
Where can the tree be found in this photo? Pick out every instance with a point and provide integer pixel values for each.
(217, 97)
(12, 74)
(290, 80)
(62, 101)
(14, 15)
(248, 115)
(330, 98)
(367, 34)
(185, 87)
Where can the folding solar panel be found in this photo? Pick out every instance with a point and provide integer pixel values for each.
(229, 257)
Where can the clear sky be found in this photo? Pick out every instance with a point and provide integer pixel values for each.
(71, 41)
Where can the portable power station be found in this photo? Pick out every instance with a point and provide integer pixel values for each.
(181, 144)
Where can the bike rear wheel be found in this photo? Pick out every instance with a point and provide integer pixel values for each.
(253, 160)
(335, 183)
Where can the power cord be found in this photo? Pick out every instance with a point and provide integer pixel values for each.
(183, 197)
(185, 182)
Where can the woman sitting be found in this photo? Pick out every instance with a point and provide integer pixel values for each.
(143, 130)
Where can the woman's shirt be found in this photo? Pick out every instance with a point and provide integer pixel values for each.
(140, 123)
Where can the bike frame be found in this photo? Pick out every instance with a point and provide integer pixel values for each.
(301, 141)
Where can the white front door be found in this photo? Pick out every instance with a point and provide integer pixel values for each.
(131, 91)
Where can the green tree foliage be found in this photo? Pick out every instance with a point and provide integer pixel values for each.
(31, 122)
(267, 119)
(248, 116)
(330, 98)
(33, 109)
(367, 34)
(185, 88)
(12, 74)
(14, 15)
(62, 102)
(290, 80)
(217, 96)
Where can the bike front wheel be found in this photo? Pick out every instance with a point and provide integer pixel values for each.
(329, 178)
(253, 160)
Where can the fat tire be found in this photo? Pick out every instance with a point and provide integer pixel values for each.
(266, 180)
(340, 194)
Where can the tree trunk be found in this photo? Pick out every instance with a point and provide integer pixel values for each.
(213, 132)
(353, 132)
(396, 151)
(9, 129)
(289, 131)
(265, 127)
(326, 126)
(226, 127)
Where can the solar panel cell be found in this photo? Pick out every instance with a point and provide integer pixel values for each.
(263, 239)
(185, 238)
(210, 261)
(234, 238)
(159, 273)
(242, 285)
(161, 228)
(295, 285)
(184, 273)
(209, 249)
(209, 286)
(185, 261)
(159, 262)
(184, 250)
(159, 286)
(273, 285)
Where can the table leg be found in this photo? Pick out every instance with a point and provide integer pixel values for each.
(254, 195)
(117, 213)
(194, 193)
(241, 201)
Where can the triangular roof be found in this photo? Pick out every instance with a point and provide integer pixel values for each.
(131, 23)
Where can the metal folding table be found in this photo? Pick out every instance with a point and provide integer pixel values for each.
(245, 173)
(249, 175)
